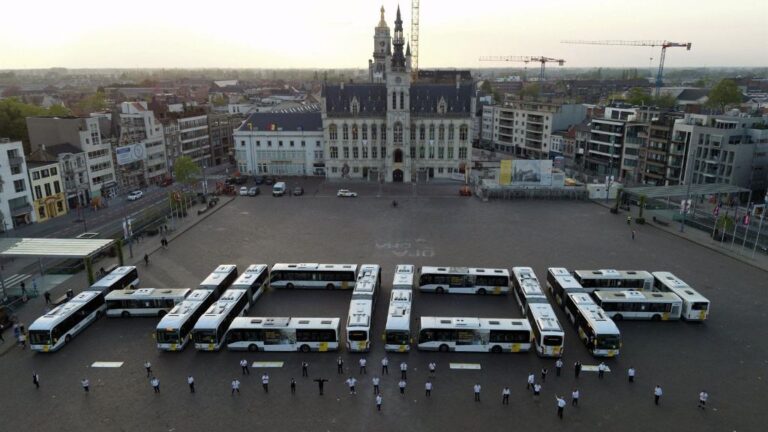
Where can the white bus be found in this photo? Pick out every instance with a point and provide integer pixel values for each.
(403, 279)
(209, 331)
(494, 335)
(254, 280)
(397, 332)
(329, 276)
(620, 280)
(560, 282)
(126, 277)
(175, 328)
(144, 301)
(655, 306)
(526, 287)
(464, 280)
(695, 305)
(284, 334)
(54, 329)
(548, 334)
(220, 279)
(598, 332)
(360, 317)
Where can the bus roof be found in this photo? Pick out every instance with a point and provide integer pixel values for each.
(677, 286)
(399, 316)
(219, 274)
(581, 298)
(404, 275)
(564, 278)
(612, 274)
(182, 311)
(465, 270)
(545, 317)
(400, 296)
(287, 322)
(475, 323)
(250, 275)
(314, 266)
(217, 311)
(594, 314)
(644, 296)
(367, 279)
(114, 275)
(61, 312)
(148, 293)
(359, 313)
(528, 281)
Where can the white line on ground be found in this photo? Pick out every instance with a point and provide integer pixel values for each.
(470, 366)
(592, 368)
(267, 365)
(103, 364)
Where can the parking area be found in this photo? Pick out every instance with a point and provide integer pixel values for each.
(726, 356)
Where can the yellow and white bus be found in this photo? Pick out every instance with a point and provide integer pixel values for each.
(494, 335)
(560, 282)
(254, 280)
(209, 331)
(154, 302)
(621, 280)
(328, 276)
(397, 331)
(126, 277)
(598, 331)
(526, 288)
(695, 305)
(650, 305)
(220, 279)
(360, 317)
(175, 329)
(54, 329)
(283, 334)
(548, 334)
(464, 280)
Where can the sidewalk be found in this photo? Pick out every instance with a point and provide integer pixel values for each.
(57, 285)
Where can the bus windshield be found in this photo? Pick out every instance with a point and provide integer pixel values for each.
(553, 340)
(167, 336)
(610, 342)
(205, 336)
(699, 306)
(357, 335)
(398, 337)
(39, 337)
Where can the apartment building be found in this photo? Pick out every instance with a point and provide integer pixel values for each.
(195, 139)
(15, 193)
(220, 129)
(606, 143)
(140, 155)
(49, 198)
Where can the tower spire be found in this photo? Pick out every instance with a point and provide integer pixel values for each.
(398, 59)
(382, 22)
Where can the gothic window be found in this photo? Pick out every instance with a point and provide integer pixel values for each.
(441, 133)
(345, 132)
(373, 132)
(421, 152)
(440, 152)
(383, 152)
(398, 133)
(463, 133)
(365, 131)
(346, 152)
(413, 132)
(383, 132)
(422, 132)
(450, 133)
(432, 132)
(334, 152)
(442, 107)
(462, 152)
(373, 152)
(354, 132)
(354, 107)
(450, 152)
(332, 132)
(365, 152)
(402, 98)
(355, 153)
(431, 152)
(394, 100)
(398, 156)
(413, 152)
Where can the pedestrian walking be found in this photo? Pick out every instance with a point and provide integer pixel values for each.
(403, 370)
(631, 374)
(536, 390)
(703, 396)
(339, 365)
(577, 368)
(2, 339)
(401, 384)
(155, 384)
(22, 340)
(657, 392)
(47, 296)
(293, 386)
(375, 381)
(191, 383)
(235, 386)
(601, 370)
(351, 382)
(476, 388)
(86, 385)
(560, 406)
(363, 362)
(544, 372)
(531, 380)
(320, 382)
(16, 330)
(148, 367)
(629, 220)
(575, 397)
(36, 379)
(146, 259)
(427, 388)
(505, 396)
(633, 234)
(385, 366)
(558, 367)
(304, 369)
(23, 289)
(244, 367)
(432, 368)
(378, 402)
(265, 382)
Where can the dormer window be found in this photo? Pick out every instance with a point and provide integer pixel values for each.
(354, 107)
(442, 106)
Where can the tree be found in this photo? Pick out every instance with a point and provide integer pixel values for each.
(723, 94)
(13, 118)
(186, 170)
(218, 101)
(530, 90)
(638, 96)
(92, 103)
(486, 87)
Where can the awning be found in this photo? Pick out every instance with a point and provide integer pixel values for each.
(684, 190)
(49, 247)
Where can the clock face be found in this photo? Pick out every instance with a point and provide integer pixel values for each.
(398, 80)
(381, 43)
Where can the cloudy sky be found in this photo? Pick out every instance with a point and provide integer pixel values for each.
(338, 33)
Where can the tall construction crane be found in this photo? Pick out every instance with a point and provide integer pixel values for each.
(526, 60)
(651, 43)
(415, 37)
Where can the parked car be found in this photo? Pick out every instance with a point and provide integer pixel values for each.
(346, 193)
(244, 191)
(269, 180)
(258, 179)
(134, 195)
(279, 189)
(298, 190)
(254, 191)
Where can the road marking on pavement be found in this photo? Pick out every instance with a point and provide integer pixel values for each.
(591, 368)
(267, 364)
(470, 366)
(102, 364)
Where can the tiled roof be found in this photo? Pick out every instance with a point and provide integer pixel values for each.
(269, 121)
(424, 98)
(371, 97)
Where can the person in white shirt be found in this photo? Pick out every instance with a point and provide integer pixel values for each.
(191, 383)
(351, 381)
(265, 382)
(363, 362)
(531, 380)
(703, 396)
(560, 406)
(575, 397)
(432, 368)
(631, 374)
(657, 392)
(244, 367)
(86, 385)
(536, 390)
(378, 402)
(558, 366)
(601, 370)
(385, 366)
(148, 367)
(235, 386)
(401, 384)
(477, 392)
(375, 381)
(505, 396)
(403, 370)
(155, 384)
(428, 388)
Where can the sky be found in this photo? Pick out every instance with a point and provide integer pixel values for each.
(339, 33)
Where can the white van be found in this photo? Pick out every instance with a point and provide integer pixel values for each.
(278, 189)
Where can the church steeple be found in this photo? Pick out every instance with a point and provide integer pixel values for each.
(398, 59)
(382, 21)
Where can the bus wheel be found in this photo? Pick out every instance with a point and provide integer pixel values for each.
(443, 348)
(304, 348)
(125, 314)
(161, 313)
(289, 286)
(482, 291)
(330, 286)
(618, 317)
(253, 347)
(656, 317)
(439, 290)
(67, 338)
(496, 349)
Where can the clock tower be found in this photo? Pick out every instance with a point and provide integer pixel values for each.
(398, 80)
(382, 48)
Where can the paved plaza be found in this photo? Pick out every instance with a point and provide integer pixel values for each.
(725, 355)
